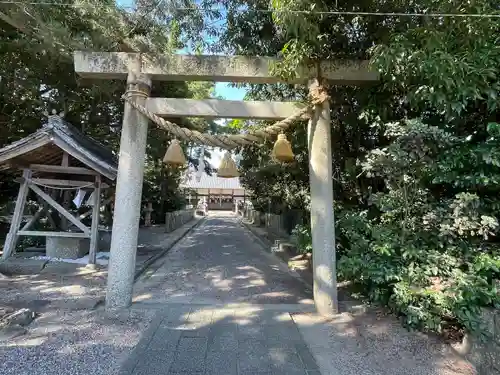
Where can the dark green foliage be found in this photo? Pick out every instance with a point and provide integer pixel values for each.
(37, 75)
(430, 257)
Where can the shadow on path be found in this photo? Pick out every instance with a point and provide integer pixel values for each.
(220, 262)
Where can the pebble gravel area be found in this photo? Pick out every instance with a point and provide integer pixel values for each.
(68, 336)
(74, 342)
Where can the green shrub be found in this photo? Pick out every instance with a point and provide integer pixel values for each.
(303, 239)
(429, 257)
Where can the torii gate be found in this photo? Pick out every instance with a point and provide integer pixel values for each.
(139, 69)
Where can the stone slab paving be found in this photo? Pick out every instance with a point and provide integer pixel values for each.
(221, 341)
(221, 262)
(225, 306)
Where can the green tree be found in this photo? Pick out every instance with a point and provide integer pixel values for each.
(37, 75)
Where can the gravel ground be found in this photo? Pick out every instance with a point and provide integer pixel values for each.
(74, 342)
(59, 285)
(69, 336)
(373, 344)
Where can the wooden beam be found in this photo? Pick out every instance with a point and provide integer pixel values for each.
(52, 234)
(94, 229)
(63, 170)
(12, 236)
(116, 65)
(65, 194)
(69, 183)
(14, 152)
(214, 108)
(65, 160)
(82, 157)
(57, 182)
(59, 208)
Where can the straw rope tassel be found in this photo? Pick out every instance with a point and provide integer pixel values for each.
(227, 167)
(282, 150)
(174, 155)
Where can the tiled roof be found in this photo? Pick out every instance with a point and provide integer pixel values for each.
(209, 182)
(46, 145)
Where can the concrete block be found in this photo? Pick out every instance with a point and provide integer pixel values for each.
(151, 363)
(188, 362)
(197, 344)
(221, 362)
(307, 357)
(253, 362)
(177, 219)
(164, 339)
(69, 248)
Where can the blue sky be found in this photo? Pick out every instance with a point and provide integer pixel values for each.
(232, 93)
(222, 89)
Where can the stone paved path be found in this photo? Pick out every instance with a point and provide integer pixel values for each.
(221, 262)
(224, 309)
(221, 341)
(223, 306)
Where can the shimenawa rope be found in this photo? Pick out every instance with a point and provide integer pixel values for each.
(229, 141)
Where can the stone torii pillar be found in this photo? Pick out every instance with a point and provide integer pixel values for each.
(322, 212)
(128, 196)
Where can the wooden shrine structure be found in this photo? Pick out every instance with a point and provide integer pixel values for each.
(219, 193)
(53, 162)
(139, 69)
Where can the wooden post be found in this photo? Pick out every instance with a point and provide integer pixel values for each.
(12, 236)
(66, 194)
(128, 195)
(322, 215)
(94, 229)
(47, 198)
